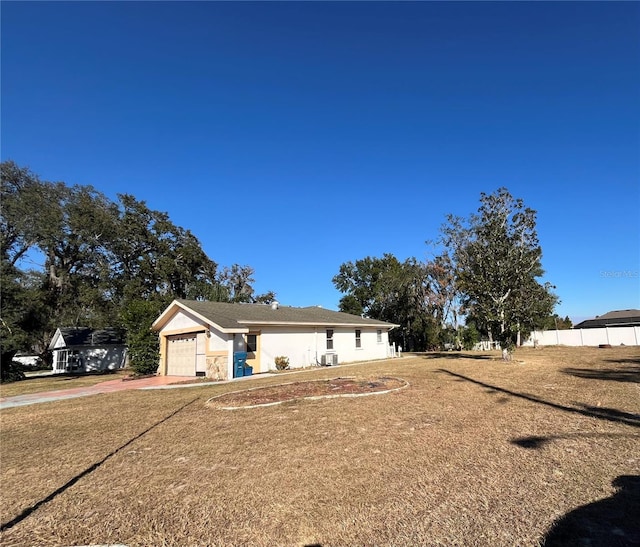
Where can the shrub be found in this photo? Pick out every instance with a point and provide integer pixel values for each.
(142, 342)
(282, 362)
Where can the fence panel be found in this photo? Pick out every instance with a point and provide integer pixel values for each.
(616, 336)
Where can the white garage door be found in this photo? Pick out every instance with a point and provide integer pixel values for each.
(181, 355)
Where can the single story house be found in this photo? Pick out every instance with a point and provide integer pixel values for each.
(209, 338)
(618, 318)
(82, 349)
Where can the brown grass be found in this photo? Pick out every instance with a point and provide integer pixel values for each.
(475, 452)
(36, 384)
(309, 389)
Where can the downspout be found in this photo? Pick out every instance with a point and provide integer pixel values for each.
(315, 335)
(230, 343)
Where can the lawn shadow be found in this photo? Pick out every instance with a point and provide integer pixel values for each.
(625, 361)
(457, 355)
(611, 412)
(535, 442)
(607, 414)
(626, 374)
(603, 523)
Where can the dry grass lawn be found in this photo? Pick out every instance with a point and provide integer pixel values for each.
(475, 452)
(36, 384)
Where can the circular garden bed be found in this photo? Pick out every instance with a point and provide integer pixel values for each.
(314, 389)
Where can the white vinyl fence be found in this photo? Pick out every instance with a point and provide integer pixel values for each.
(615, 336)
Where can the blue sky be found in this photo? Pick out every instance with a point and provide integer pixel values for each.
(296, 136)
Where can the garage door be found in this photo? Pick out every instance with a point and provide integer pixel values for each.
(181, 355)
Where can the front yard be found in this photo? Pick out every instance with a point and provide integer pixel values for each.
(54, 382)
(475, 451)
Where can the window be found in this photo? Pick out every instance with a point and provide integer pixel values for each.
(252, 343)
(358, 338)
(379, 334)
(329, 338)
(61, 360)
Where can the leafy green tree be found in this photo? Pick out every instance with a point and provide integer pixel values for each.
(470, 335)
(553, 322)
(155, 258)
(17, 319)
(497, 259)
(20, 316)
(350, 304)
(105, 264)
(389, 290)
(142, 342)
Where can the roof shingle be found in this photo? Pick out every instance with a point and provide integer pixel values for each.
(230, 316)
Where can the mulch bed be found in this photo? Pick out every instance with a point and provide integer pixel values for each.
(334, 387)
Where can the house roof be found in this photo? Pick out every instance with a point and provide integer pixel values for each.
(230, 317)
(85, 336)
(616, 318)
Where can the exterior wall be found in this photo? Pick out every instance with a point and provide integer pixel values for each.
(182, 320)
(93, 359)
(616, 336)
(305, 346)
(218, 362)
(217, 340)
(96, 359)
(212, 352)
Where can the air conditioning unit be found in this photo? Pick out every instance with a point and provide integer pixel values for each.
(329, 359)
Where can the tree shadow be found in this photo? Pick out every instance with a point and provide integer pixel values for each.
(611, 413)
(613, 521)
(536, 442)
(607, 414)
(625, 361)
(626, 374)
(458, 355)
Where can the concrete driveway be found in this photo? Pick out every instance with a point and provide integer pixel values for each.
(103, 387)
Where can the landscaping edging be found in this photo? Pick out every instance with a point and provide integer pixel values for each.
(210, 401)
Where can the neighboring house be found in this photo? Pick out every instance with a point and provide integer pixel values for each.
(81, 349)
(619, 318)
(202, 338)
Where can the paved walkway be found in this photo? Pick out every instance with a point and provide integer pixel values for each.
(110, 386)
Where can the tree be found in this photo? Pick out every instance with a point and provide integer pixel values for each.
(443, 294)
(554, 321)
(350, 304)
(142, 342)
(19, 318)
(155, 258)
(497, 258)
(238, 281)
(20, 311)
(105, 263)
(389, 290)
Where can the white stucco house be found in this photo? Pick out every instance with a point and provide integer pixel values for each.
(203, 338)
(82, 349)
